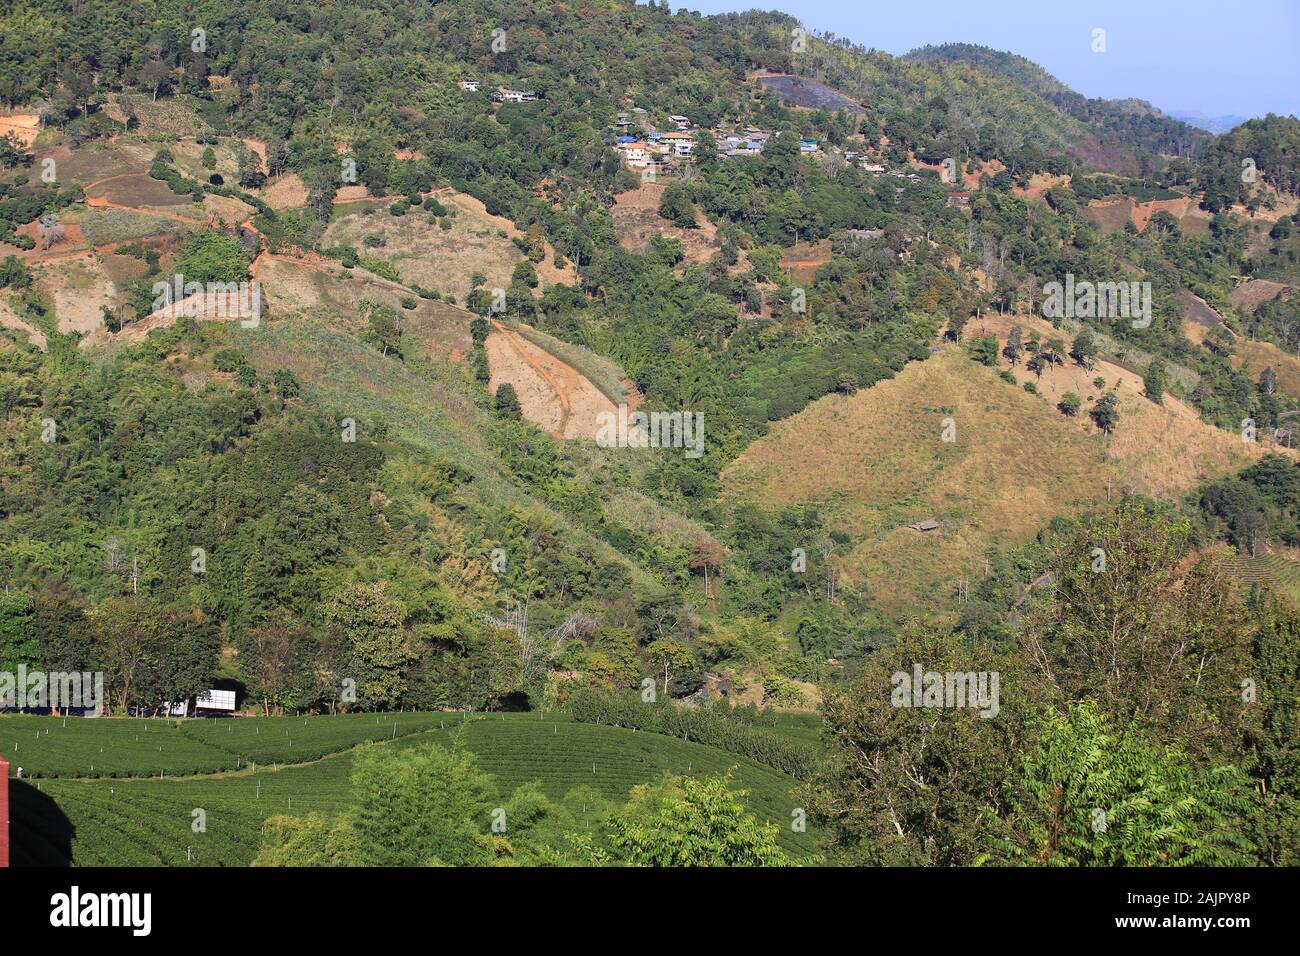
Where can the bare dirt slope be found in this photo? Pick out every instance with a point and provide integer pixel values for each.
(1250, 295)
(552, 394)
(10, 320)
(443, 259)
(23, 126)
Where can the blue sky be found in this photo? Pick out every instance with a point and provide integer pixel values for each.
(1215, 58)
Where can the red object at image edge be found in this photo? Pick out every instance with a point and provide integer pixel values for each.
(4, 812)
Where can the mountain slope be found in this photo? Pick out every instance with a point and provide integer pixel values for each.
(1130, 124)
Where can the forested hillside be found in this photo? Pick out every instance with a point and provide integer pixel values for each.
(470, 228)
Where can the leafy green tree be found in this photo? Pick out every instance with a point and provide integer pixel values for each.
(984, 349)
(61, 627)
(1084, 349)
(383, 327)
(372, 625)
(271, 662)
(286, 383)
(212, 257)
(1272, 735)
(1106, 412)
(667, 249)
(526, 273)
(1146, 631)
(1015, 346)
(676, 206)
(686, 821)
(1070, 404)
(18, 638)
(1155, 381)
(426, 806)
(907, 785)
(1091, 795)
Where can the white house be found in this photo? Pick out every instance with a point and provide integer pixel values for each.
(469, 86)
(505, 95)
(636, 155)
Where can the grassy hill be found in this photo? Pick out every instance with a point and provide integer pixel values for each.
(877, 463)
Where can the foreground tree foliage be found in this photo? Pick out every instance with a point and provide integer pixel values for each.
(1148, 717)
(433, 806)
(1157, 635)
(692, 822)
(908, 786)
(1088, 794)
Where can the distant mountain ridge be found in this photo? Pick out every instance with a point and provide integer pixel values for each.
(1212, 124)
(1129, 123)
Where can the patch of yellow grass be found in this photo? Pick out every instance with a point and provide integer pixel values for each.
(1158, 450)
(876, 463)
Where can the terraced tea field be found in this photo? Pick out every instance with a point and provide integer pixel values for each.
(1275, 571)
(57, 747)
(150, 821)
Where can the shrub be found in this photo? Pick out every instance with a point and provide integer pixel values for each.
(507, 402)
(228, 360)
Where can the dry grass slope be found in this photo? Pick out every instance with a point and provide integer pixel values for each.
(876, 462)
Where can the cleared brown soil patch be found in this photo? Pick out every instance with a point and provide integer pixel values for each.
(79, 288)
(1039, 184)
(971, 171)
(547, 271)
(10, 320)
(636, 219)
(97, 161)
(1112, 213)
(803, 260)
(1254, 293)
(133, 190)
(1143, 211)
(1199, 318)
(168, 115)
(443, 259)
(23, 126)
(286, 192)
(73, 238)
(552, 394)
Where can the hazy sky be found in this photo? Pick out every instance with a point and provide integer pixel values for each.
(1215, 58)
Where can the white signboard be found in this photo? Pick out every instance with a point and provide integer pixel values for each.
(216, 700)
